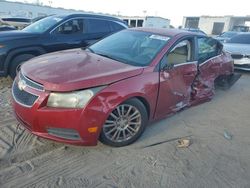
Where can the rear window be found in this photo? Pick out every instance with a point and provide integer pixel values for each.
(98, 26)
(228, 34)
(115, 26)
(241, 39)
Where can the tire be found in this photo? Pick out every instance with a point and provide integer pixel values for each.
(18, 60)
(125, 124)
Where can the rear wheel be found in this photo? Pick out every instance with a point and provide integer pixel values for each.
(125, 124)
(17, 61)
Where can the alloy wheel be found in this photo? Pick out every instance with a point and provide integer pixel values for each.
(123, 123)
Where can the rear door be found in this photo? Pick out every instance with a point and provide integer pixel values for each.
(209, 56)
(97, 29)
(210, 62)
(177, 73)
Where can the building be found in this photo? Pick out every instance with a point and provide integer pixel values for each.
(156, 22)
(148, 21)
(133, 21)
(25, 10)
(30, 11)
(215, 25)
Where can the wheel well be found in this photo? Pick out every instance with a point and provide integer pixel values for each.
(146, 104)
(35, 53)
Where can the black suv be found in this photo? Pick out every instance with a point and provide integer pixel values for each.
(51, 34)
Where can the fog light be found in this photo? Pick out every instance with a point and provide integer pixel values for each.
(69, 134)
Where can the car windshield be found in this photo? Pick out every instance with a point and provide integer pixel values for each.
(43, 25)
(228, 34)
(240, 39)
(131, 47)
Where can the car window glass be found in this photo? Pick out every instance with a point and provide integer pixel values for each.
(181, 53)
(43, 25)
(131, 47)
(98, 26)
(116, 26)
(74, 26)
(240, 39)
(207, 48)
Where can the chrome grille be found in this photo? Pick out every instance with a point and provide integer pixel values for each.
(30, 83)
(239, 56)
(23, 97)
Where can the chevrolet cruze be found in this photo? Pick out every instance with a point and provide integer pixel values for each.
(114, 88)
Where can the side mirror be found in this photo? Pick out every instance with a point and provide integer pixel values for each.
(220, 48)
(168, 67)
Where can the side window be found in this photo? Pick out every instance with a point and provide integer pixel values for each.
(115, 26)
(207, 48)
(74, 26)
(98, 26)
(181, 53)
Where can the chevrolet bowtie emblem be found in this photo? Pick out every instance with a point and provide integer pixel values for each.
(21, 84)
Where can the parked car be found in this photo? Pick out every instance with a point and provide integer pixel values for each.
(225, 36)
(241, 28)
(19, 23)
(195, 30)
(51, 34)
(7, 28)
(239, 47)
(116, 86)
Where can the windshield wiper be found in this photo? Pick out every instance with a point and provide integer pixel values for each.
(108, 56)
(90, 49)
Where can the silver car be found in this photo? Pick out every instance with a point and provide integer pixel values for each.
(239, 47)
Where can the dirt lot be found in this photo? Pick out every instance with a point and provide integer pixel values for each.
(211, 160)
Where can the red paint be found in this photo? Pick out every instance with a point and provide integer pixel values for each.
(165, 92)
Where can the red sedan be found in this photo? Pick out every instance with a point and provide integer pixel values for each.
(111, 90)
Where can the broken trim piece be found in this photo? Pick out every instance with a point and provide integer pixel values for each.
(210, 59)
(187, 63)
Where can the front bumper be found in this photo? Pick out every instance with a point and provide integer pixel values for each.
(242, 64)
(69, 126)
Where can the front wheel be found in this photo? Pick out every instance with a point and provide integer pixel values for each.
(17, 61)
(125, 124)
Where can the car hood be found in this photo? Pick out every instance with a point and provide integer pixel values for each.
(222, 39)
(76, 69)
(235, 48)
(12, 35)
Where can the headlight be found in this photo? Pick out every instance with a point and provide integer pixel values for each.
(77, 99)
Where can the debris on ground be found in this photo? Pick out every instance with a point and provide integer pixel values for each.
(165, 141)
(228, 135)
(183, 143)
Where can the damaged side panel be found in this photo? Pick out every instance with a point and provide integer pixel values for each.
(209, 72)
(175, 88)
(191, 83)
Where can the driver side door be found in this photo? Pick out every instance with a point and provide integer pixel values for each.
(177, 73)
(71, 34)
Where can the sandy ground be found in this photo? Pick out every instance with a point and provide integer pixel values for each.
(211, 160)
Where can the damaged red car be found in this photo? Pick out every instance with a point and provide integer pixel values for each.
(112, 89)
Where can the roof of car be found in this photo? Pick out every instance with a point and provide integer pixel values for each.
(166, 32)
(91, 15)
(244, 33)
